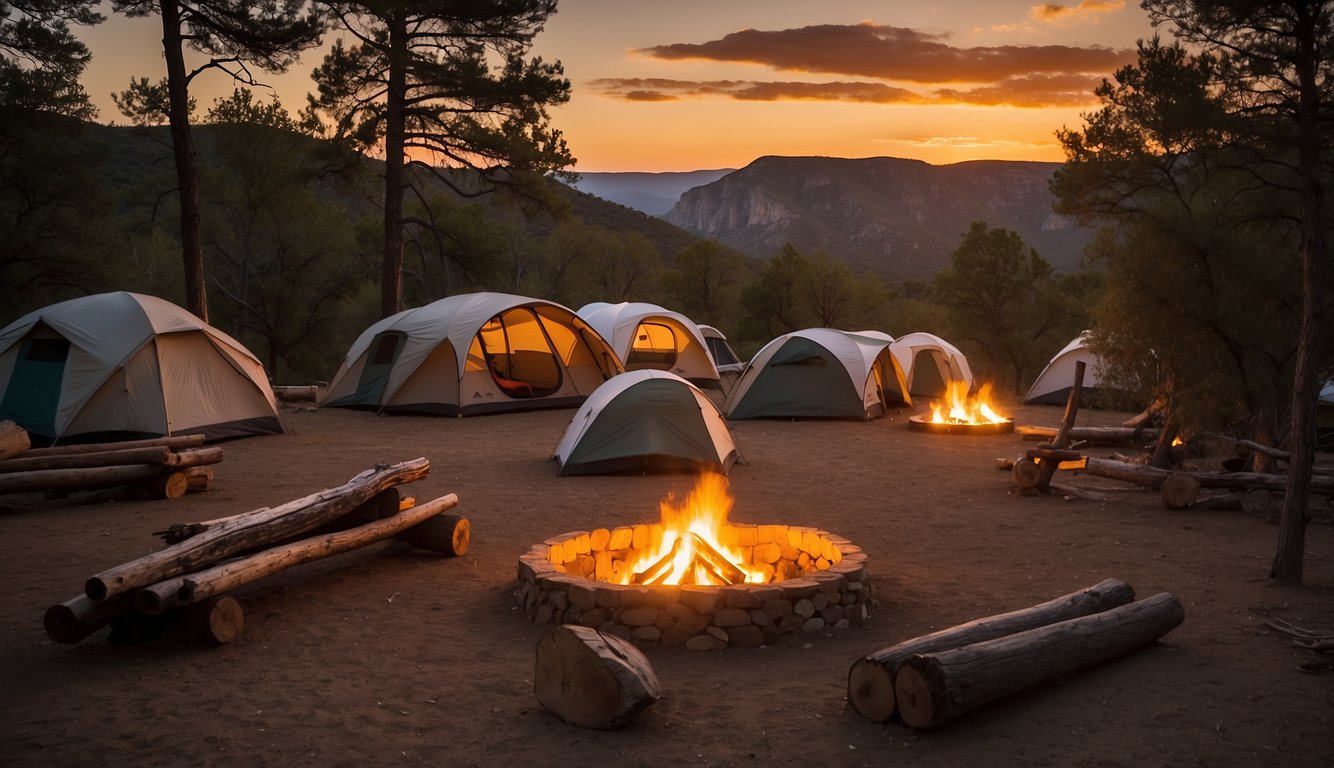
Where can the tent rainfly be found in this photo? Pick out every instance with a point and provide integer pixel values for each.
(1052, 386)
(930, 363)
(124, 365)
(649, 337)
(646, 420)
(474, 353)
(819, 373)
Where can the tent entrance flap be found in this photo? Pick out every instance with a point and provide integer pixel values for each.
(33, 393)
(926, 378)
(519, 354)
(384, 352)
(654, 345)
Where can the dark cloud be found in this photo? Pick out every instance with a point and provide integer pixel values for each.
(1033, 91)
(1054, 12)
(894, 53)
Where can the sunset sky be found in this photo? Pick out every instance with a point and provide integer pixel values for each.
(696, 84)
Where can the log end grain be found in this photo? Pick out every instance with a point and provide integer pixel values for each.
(216, 620)
(447, 534)
(171, 485)
(1027, 474)
(593, 680)
(871, 690)
(1180, 490)
(923, 699)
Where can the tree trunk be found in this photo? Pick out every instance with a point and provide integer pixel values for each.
(871, 678)
(935, 688)
(183, 147)
(13, 439)
(246, 533)
(391, 279)
(1291, 549)
(593, 680)
(197, 586)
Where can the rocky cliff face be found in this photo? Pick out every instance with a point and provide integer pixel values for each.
(899, 218)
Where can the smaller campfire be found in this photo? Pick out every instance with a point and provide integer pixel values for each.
(962, 414)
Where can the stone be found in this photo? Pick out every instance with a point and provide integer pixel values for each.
(646, 634)
(804, 608)
(692, 624)
(705, 642)
(813, 624)
(748, 636)
(777, 608)
(700, 599)
(642, 616)
(731, 617)
(583, 595)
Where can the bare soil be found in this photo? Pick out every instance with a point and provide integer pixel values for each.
(391, 656)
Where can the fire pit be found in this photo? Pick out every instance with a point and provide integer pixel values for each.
(961, 414)
(695, 579)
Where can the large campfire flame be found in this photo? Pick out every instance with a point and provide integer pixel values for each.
(959, 408)
(690, 549)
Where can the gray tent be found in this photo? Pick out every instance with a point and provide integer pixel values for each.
(645, 420)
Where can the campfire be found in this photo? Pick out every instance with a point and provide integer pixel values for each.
(696, 579)
(963, 414)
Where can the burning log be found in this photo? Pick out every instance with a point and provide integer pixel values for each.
(197, 586)
(593, 680)
(659, 569)
(252, 531)
(871, 679)
(13, 439)
(934, 688)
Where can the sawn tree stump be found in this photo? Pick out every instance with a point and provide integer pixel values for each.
(593, 680)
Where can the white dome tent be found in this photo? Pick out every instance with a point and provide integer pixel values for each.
(649, 337)
(929, 363)
(1052, 386)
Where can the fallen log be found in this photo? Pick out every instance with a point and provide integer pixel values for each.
(169, 485)
(1143, 474)
(871, 686)
(446, 534)
(194, 457)
(934, 688)
(1180, 490)
(152, 454)
(194, 587)
(593, 680)
(248, 532)
(65, 480)
(1090, 435)
(175, 443)
(78, 617)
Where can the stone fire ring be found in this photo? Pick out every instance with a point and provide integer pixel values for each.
(824, 585)
(925, 424)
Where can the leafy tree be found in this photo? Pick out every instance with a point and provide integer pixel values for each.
(999, 296)
(704, 282)
(41, 60)
(1279, 68)
(777, 301)
(1193, 156)
(831, 292)
(285, 262)
(454, 248)
(447, 83)
(233, 34)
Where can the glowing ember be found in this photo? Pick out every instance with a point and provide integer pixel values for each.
(689, 548)
(963, 409)
(1177, 441)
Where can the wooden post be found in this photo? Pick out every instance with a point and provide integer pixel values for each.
(593, 680)
(1062, 439)
(934, 688)
(871, 678)
(249, 532)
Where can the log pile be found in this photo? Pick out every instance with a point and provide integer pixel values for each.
(161, 468)
(929, 680)
(202, 561)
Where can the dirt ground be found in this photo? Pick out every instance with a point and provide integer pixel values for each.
(389, 656)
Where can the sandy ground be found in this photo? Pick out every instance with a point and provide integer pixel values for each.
(389, 656)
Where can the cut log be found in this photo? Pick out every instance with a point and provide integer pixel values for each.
(194, 587)
(86, 478)
(1142, 474)
(1026, 473)
(177, 443)
(195, 457)
(216, 620)
(296, 394)
(153, 454)
(447, 534)
(593, 680)
(1090, 435)
(77, 618)
(198, 478)
(249, 532)
(1258, 502)
(871, 678)
(934, 688)
(169, 485)
(1180, 490)
(13, 439)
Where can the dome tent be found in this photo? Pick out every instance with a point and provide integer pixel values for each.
(725, 359)
(649, 337)
(474, 353)
(645, 420)
(930, 363)
(819, 373)
(124, 365)
(1052, 386)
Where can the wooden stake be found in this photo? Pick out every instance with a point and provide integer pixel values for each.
(871, 678)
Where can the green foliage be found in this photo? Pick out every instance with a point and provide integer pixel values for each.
(704, 282)
(1005, 309)
(146, 103)
(41, 59)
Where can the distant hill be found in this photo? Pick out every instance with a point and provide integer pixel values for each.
(652, 193)
(899, 218)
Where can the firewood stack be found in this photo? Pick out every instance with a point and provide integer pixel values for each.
(162, 468)
(204, 560)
